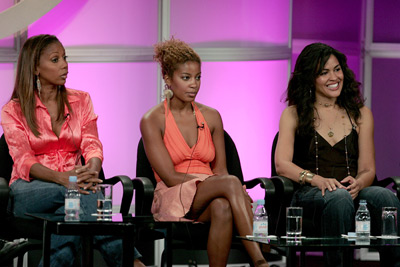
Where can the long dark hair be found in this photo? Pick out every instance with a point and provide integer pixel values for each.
(25, 83)
(301, 87)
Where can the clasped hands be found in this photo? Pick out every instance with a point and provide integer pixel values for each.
(349, 183)
(87, 179)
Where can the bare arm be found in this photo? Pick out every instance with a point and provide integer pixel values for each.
(214, 121)
(366, 158)
(285, 145)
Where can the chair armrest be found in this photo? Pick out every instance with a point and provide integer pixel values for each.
(264, 183)
(127, 188)
(392, 179)
(144, 191)
(285, 189)
(284, 186)
(4, 194)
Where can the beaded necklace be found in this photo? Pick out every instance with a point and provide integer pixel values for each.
(345, 150)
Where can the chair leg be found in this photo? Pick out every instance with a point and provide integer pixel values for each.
(163, 259)
(20, 261)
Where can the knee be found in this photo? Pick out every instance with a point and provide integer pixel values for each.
(221, 209)
(340, 200)
(232, 183)
(379, 197)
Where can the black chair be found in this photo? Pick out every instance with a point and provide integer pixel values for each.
(285, 189)
(13, 228)
(189, 237)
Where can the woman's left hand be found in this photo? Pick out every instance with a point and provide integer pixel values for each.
(87, 178)
(247, 194)
(354, 187)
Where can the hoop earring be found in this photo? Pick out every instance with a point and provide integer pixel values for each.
(38, 85)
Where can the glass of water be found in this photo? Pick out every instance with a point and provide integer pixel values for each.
(104, 200)
(389, 222)
(294, 221)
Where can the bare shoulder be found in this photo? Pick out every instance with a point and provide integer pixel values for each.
(289, 113)
(206, 109)
(208, 112)
(211, 115)
(366, 118)
(153, 117)
(365, 111)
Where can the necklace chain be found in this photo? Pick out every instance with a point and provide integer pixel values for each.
(316, 154)
(347, 156)
(331, 133)
(325, 104)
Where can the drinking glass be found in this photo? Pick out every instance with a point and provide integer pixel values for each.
(104, 199)
(294, 221)
(389, 222)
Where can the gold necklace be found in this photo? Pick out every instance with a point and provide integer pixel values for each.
(325, 104)
(331, 133)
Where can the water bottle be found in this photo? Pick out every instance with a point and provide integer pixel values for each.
(260, 220)
(72, 200)
(363, 221)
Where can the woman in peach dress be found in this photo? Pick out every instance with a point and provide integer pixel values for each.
(184, 141)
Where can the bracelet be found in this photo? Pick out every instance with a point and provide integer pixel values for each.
(309, 176)
(301, 177)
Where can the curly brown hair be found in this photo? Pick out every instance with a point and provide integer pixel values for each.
(301, 88)
(172, 53)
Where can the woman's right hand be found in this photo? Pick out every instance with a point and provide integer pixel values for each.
(87, 178)
(323, 184)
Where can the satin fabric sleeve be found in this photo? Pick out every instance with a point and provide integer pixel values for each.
(17, 139)
(91, 146)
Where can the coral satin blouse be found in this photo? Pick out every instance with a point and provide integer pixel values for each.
(78, 132)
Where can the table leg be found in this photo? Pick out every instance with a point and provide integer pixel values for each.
(128, 244)
(168, 245)
(302, 258)
(348, 256)
(87, 250)
(290, 257)
(46, 244)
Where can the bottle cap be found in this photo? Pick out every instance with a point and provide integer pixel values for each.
(363, 201)
(260, 202)
(73, 179)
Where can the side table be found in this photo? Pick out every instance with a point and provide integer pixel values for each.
(87, 227)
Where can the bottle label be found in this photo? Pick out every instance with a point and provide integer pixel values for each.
(363, 226)
(260, 227)
(72, 203)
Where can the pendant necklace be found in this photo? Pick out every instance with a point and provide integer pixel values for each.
(331, 133)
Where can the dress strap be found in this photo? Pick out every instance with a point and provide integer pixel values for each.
(354, 126)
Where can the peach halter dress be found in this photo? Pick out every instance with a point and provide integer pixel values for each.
(172, 203)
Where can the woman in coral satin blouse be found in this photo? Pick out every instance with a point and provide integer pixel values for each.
(47, 128)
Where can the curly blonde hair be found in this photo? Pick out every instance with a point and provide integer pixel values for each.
(173, 52)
